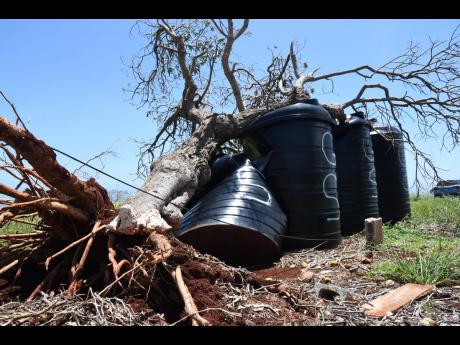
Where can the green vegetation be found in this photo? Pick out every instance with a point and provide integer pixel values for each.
(17, 228)
(409, 237)
(437, 266)
(434, 221)
(424, 249)
(443, 214)
(117, 204)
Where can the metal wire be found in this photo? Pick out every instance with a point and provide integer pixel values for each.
(185, 208)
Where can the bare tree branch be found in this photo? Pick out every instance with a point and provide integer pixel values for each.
(231, 38)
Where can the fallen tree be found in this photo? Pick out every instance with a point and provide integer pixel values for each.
(191, 49)
(82, 241)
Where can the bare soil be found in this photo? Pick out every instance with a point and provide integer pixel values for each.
(285, 294)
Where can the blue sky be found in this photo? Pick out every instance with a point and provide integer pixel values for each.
(66, 77)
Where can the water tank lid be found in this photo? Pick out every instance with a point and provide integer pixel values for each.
(309, 109)
(381, 128)
(357, 119)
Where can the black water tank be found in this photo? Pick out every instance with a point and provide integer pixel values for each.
(301, 171)
(223, 166)
(239, 221)
(355, 168)
(391, 174)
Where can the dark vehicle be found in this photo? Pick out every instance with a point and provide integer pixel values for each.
(447, 187)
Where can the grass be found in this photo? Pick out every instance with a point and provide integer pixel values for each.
(18, 228)
(437, 266)
(434, 221)
(424, 249)
(443, 213)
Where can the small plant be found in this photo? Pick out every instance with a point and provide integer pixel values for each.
(440, 265)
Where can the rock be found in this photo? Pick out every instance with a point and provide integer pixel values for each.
(366, 260)
(389, 282)
(326, 280)
(304, 264)
(426, 321)
(282, 287)
(369, 255)
(333, 263)
(319, 303)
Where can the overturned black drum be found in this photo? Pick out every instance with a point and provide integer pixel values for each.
(239, 221)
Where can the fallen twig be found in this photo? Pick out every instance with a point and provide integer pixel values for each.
(30, 314)
(73, 285)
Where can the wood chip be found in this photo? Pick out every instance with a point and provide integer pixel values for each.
(396, 299)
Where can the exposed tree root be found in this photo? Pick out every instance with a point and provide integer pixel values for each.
(46, 282)
(116, 266)
(9, 266)
(90, 236)
(190, 307)
(163, 245)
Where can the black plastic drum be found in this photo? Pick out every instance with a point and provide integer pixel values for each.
(223, 166)
(356, 182)
(239, 221)
(301, 171)
(390, 166)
